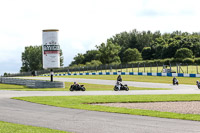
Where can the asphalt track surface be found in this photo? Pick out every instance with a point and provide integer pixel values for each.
(83, 121)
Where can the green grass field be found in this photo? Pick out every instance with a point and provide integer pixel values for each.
(6, 127)
(84, 102)
(192, 69)
(138, 78)
(89, 87)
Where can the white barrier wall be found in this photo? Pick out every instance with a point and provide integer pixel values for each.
(32, 83)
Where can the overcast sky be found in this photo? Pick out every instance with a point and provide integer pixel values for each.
(83, 24)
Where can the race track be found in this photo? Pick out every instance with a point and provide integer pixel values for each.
(82, 121)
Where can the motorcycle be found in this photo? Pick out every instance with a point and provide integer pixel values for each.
(198, 84)
(77, 87)
(175, 82)
(119, 86)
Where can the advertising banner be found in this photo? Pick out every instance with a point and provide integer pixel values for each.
(50, 49)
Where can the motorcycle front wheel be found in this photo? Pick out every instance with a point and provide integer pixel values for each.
(198, 86)
(83, 88)
(116, 88)
(71, 89)
(127, 88)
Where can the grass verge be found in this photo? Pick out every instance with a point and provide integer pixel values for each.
(89, 87)
(6, 127)
(84, 102)
(139, 78)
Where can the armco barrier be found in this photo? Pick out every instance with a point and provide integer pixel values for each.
(131, 73)
(32, 83)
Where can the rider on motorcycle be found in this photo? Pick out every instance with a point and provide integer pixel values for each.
(77, 87)
(118, 84)
(119, 80)
(175, 81)
(75, 83)
(198, 83)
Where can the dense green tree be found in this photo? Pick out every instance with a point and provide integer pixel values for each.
(32, 59)
(147, 53)
(132, 55)
(144, 39)
(78, 59)
(135, 39)
(157, 51)
(169, 51)
(91, 55)
(183, 53)
(6, 74)
(162, 45)
(158, 45)
(86, 58)
(196, 49)
(109, 53)
(93, 63)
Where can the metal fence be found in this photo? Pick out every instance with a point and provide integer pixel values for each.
(139, 67)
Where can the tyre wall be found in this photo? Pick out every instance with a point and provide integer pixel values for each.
(32, 83)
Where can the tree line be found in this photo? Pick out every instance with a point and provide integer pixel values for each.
(127, 47)
(32, 59)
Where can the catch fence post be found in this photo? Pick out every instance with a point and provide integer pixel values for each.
(151, 67)
(157, 67)
(179, 67)
(138, 67)
(132, 67)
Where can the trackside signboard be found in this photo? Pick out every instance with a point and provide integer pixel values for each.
(50, 49)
